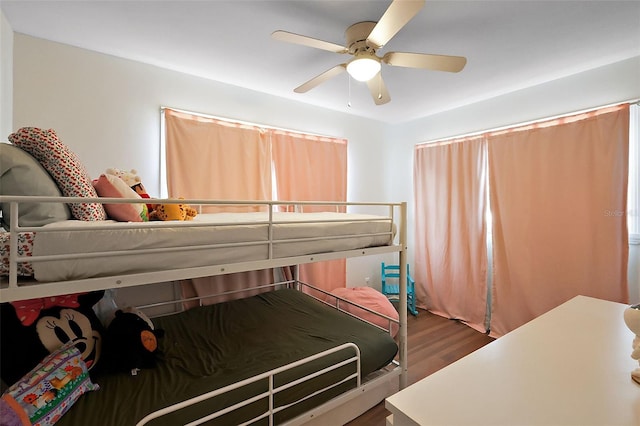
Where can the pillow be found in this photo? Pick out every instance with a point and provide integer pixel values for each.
(44, 394)
(21, 174)
(64, 166)
(372, 299)
(112, 186)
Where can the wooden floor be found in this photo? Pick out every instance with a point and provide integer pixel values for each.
(433, 342)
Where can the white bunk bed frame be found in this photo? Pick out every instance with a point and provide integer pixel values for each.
(341, 409)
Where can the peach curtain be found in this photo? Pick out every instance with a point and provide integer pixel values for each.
(209, 158)
(558, 197)
(214, 159)
(450, 207)
(310, 168)
(200, 287)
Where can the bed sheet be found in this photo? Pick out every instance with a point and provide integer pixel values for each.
(209, 347)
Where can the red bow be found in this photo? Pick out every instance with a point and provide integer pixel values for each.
(29, 310)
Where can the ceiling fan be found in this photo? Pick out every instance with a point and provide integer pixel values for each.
(363, 40)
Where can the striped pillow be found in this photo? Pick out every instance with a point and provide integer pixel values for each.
(49, 390)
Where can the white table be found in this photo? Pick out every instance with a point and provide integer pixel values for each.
(570, 366)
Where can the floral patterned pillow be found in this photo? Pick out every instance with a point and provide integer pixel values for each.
(64, 166)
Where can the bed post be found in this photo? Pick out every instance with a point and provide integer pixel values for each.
(403, 294)
(13, 246)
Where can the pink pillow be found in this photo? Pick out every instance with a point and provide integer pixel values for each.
(372, 299)
(64, 166)
(114, 187)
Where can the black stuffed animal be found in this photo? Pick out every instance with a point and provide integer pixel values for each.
(30, 330)
(131, 342)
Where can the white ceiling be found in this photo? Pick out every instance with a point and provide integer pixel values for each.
(509, 45)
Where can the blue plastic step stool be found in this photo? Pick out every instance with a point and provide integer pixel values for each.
(392, 289)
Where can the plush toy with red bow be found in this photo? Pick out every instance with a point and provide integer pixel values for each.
(31, 329)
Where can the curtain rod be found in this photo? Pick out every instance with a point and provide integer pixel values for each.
(635, 101)
(248, 123)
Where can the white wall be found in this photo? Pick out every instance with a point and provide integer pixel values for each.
(6, 78)
(601, 86)
(107, 110)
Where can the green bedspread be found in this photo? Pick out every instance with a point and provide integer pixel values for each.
(209, 347)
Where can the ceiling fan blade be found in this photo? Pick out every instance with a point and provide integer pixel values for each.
(378, 90)
(426, 61)
(396, 16)
(308, 41)
(332, 72)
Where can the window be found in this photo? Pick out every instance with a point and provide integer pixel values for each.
(233, 160)
(208, 157)
(551, 183)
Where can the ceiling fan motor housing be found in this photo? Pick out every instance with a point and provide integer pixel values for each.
(356, 36)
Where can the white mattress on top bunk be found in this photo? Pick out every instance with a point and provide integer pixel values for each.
(210, 239)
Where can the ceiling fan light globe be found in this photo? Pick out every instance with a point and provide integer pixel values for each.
(363, 69)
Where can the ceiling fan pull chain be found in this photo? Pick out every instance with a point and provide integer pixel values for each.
(349, 91)
(379, 85)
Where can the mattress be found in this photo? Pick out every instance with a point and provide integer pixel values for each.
(209, 239)
(25, 248)
(209, 347)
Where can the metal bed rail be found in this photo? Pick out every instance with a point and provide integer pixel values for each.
(12, 288)
(339, 301)
(366, 385)
(272, 388)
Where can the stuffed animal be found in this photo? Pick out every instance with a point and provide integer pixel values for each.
(631, 317)
(156, 211)
(132, 179)
(131, 342)
(173, 212)
(32, 329)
